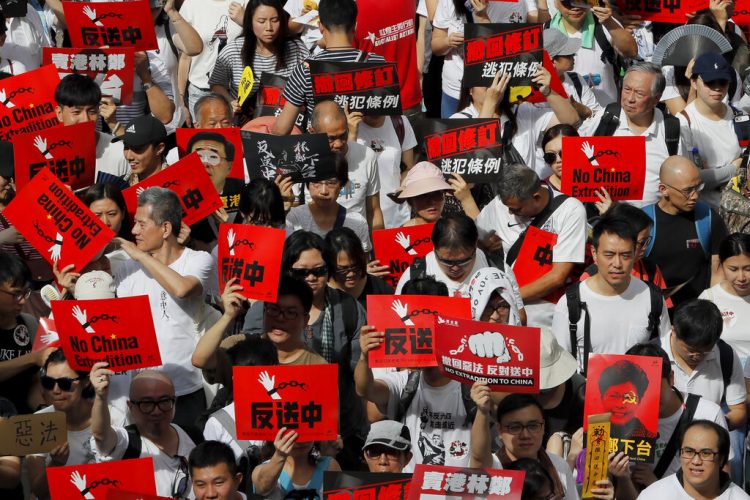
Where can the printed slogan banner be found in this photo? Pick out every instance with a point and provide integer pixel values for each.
(506, 357)
(118, 331)
(94, 480)
(69, 152)
(270, 99)
(408, 322)
(535, 256)
(13, 8)
(471, 147)
(37, 433)
(302, 398)
(366, 485)
(305, 157)
(615, 163)
(512, 48)
(229, 144)
(56, 223)
(369, 87)
(190, 181)
(111, 24)
(626, 387)
(439, 481)
(664, 11)
(399, 247)
(112, 69)
(597, 453)
(252, 255)
(27, 102)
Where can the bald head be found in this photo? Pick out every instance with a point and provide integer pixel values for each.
(327, 113)
(151, 383)
(678, 168)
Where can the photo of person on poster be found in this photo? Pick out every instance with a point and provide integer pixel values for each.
(622, 386)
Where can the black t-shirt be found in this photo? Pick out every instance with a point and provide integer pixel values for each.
(679, 254)
(203, 230)
(15, 342)
(374, 286)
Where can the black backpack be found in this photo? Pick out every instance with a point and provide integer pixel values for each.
(410, 390)
(671, 449)
(611, 120)
(135, 445)
(577, 83)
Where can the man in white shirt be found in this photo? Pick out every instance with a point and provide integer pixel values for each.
(214, 472)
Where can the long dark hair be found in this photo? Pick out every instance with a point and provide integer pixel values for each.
(279, 44)
(99, 191)
(461, 9)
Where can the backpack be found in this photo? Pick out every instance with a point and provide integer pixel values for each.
(576, 307)
(611, 119)
(541, 218)
(671, 449)
(398, 126)
(135, 445)
(250, 453)
(702, 226)
(410, 390)
(577, 83)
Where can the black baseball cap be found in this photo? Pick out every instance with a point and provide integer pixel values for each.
(142, 131)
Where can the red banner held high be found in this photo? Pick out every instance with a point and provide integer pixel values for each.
(439, 481)
(111, 24)
(398, 247)
(27, 102)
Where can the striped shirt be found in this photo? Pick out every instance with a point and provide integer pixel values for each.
(229, 66)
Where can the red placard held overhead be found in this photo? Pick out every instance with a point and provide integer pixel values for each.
(439, 481)
(190, 181)
(230, 135)
(408, 322)
(506, 357)
(615, 163)
(76, 481)
(56, 223)
(302, 398)
(27, 102)
(663, 11)
(252, 255)
(69, 152)
(118, 331)
(111, 24)
(397, 248)
(535, 257)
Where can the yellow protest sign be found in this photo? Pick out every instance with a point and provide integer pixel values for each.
(38, 433)
(246, 84)
(597, 452)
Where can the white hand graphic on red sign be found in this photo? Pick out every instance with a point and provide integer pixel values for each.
(402, 310)
(80, 483)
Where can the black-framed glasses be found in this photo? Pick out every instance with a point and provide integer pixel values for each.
(148, 406)
(181, 479)
(376, 451)
(19, 296)
(515, 428)
(688, 191)
(301, 273)
(64, 383)
(705, 454)
(551, 157)
(458, 262)
(276, 312)
(343, 272)
(498, 306)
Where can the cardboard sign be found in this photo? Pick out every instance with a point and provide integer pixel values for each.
(597, 453)
(113, 69)
(369, 87)
(303, 398)
(13, 8)
(366, 485)
(230, 135)
(663, 11)
(37, 433)
(504, 356)
(251, 254)
(68, 152)
(305, 157)
(46, 335)
(270, 99)
(69, 482)
(56, 223)
(471, 147)
(398, 247)
(535, 257)
(130, 495)
(408, 322)
(529, 93)
(119, 331)
(513, 48)
(111, 24)
(626, 387)
(27, 102)
(190, 181)
(615, 163)
(439, 481)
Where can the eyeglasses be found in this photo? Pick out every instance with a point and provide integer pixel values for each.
(374, 452)
(276, 312)
(645, 241)
(705, 454)
(551, 156)
(148, 406)
(64, 383)
(19, 296)
(181, 479)
(456, 263)
(210, 157)
(343, 272)
(688, 191)
(302, 273)
(328, 183)
(516, 428)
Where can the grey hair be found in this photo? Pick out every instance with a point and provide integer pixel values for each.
(165, 206)
(212, 97)
(518, 181)
(657, 88)
(326, 109)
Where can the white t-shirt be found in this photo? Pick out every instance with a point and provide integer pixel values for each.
(435, 419)
(563, 472)
(453, 67)
(616, 323)
(214, 431)
(510, 12)
(735, 311)
(670, 487)
(79, 444)
(301, 218)
(310, 34)
(384, 142)
(589, 61)
(175, 319)
(110, 157)
(25, 37)
(468, 112)
(432, 268)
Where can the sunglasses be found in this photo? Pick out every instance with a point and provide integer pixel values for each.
(64, 383)
(302, 273)
(550, 157)
(456, 263)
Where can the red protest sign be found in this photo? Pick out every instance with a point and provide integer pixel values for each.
(615, 163)
(530, 93)
(252, 255)
(440, 481)
(304, 398)
(506, 357)
(69, 152)
(741, 13)
(111, 24)
(118, 331)
(190, 181)
(511, 48)
(112, 69)
(56, 223)
(535, 257)
(46, 335)
(398, 247)
(662, 11)
(113, 494)
(95, 480)
(27, 102)
(192, 139)
(408, 322)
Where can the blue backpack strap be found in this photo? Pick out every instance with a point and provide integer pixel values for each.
(316, 481)
(703, 226)
(284, 482)
(651, 212)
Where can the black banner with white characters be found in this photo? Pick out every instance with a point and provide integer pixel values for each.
(371, 88)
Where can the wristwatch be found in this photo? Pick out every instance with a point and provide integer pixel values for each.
(146, 86)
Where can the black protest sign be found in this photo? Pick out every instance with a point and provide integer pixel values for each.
(470, 147)
(366, 485)
(512, 48)
(270, 99)
(305, 157)
(371, 88)
(13, 8)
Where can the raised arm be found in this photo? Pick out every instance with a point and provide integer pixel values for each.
(480, 439)
(366, 385)
(204, 355)
(101, 427)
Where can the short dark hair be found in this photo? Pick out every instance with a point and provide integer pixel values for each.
(78, 90)
(698, 323)
(455, 231)
(426, 285)
(213, 136)
(254, 350)
(341, 165)
(721, 433)
(623, 371)
(559, 130)
(297, 243)
(58, 356)
(296, 288)
(338, 15)
(261, 203)
(13, 270)
(100, 191)
(343, 239)
(518, 181)
(618, 226)
(634, 215)
(515, 402)
(535, 478)
(733, 245)
(653, 350)
(211, 453)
